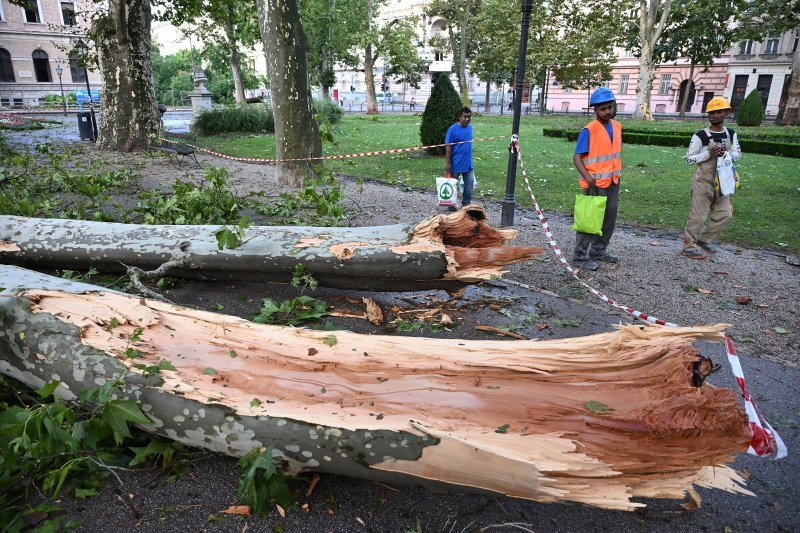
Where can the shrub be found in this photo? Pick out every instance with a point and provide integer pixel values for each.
(440, 113)
(751, 110)
(328, 112)
(253, 118)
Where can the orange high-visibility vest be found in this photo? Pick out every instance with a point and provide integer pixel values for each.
(603, 160)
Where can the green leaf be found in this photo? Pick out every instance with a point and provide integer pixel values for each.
(503, 428)
(233, 353)
(255, 402)
(48, 389)
(85, 493)
(209, 371)
(118, 413)
(113, 323)
(156, 447)
(330, 340)
(780, 330)
(597, 407)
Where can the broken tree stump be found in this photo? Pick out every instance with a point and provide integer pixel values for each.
(597, 420)
(441, 252)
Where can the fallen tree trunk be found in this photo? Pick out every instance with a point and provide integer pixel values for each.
(597, 420)
(442, 252)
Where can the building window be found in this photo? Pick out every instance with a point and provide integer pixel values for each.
(628, 53)
(796, 38)
(30, 11)
(666, 84)
(6, 69)
(624, 79)
(68, 13)
(661, 108)
(773, 43)
(77, 72)
(567, 89)
(41, 65)
(746, 48)
(2, 15)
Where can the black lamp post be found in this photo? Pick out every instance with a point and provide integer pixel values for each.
(60, 71)
(83, 52)
(507, 214)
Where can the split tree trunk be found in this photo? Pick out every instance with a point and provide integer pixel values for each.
(286, 48)
(129, 118)
(596, 420)
(444, 251)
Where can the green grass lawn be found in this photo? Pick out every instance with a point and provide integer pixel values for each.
(654, 187)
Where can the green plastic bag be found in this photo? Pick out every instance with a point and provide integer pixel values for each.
(589, 213)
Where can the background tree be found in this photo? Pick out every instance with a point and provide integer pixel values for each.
(701, 31)
(172, 75)
(762, 17)
(751, 110)
(221, 81)
(286, 49)
(458, 15)
(440, 113)
(397, 43)
(647, 24)
(493, 61)
(333, 29)
(231, 24)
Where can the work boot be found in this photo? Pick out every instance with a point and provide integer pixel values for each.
(586, 264)
(607, 258)
(710, 247)
(693, 253)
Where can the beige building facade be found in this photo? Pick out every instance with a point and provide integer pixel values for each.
(35, 43)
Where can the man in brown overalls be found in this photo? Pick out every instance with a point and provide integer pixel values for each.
(706, 146)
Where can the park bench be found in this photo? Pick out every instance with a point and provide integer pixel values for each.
(177, 144)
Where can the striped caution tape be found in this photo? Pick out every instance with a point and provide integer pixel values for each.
(764, 440)
(322, 157)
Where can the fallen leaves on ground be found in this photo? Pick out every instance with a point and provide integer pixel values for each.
(243, 510)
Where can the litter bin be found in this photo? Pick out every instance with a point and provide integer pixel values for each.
(85, 126)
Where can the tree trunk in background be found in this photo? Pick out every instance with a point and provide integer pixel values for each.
(235, 62)
(687, 92)
(462, 56)
(650, 28)
(129, 118)
(488, 102)
(296, 130)
(789, 113)
(597, 420)
(369, 66)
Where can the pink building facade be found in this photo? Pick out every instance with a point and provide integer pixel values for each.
(671, 84)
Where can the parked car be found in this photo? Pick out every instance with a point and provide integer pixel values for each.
(384, 98)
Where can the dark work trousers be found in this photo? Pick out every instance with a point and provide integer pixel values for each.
(588, 246)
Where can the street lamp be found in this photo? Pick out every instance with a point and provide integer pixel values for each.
(507, 213)
(60, 71)
(83, 52)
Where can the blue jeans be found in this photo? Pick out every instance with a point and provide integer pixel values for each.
(469, 183)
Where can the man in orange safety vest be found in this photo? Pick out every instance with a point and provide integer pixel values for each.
(597, 158)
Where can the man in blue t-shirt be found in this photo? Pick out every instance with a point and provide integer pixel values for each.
(458, 160)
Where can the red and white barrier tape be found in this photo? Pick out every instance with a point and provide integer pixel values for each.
(764, 440)
(322, 157)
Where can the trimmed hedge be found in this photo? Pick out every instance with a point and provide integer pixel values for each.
(751, 110)
(251, 118)
(440, 113)
(749, 146)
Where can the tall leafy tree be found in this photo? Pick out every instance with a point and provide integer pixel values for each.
(334, 30)
(221, 81)
(648, 22)
(701, 31)
(493, 60)
(286, 49)
(228, 23)
(458, 15)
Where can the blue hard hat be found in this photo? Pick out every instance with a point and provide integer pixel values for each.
(601, 96)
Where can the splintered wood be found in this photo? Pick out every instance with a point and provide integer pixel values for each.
(597, 420)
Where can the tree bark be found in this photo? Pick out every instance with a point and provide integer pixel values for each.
(369, 67)
(446, 250)
(596, 420)
(296, 129)
(488, 102)
(462, 55)
(129, 118)
(650, 28)
(687, 92)
(789, 113)
(235, 62)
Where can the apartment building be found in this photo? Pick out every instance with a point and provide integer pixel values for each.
(764, 66)
(36, 40)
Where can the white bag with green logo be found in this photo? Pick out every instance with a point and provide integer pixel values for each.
(447, 191)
